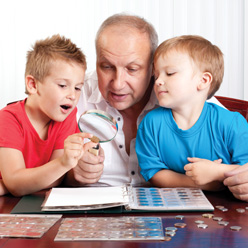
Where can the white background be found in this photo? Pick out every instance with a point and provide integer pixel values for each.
(22, 22)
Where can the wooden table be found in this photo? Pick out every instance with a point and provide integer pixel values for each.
(190, 236)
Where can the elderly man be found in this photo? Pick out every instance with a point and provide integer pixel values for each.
(123, 87)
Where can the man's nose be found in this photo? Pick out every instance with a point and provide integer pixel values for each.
(119, 79)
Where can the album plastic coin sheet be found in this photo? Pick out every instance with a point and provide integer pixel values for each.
(26, 226)
(110, 228)
(171, 199)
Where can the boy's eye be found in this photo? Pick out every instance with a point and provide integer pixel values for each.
(170, 73)
(62, 85)
(78, 88)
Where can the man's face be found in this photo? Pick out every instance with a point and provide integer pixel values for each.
(123, 66)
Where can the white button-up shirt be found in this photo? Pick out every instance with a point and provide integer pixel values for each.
(119, 167)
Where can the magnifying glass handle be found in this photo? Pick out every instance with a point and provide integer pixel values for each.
(95, 150)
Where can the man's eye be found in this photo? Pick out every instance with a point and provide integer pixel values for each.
(132, 69)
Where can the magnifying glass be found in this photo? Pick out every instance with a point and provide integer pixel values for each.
(99, 123)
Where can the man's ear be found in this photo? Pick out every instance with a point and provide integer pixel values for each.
(206, 80)
(31, 84)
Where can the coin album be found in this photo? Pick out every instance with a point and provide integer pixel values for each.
(132, 198)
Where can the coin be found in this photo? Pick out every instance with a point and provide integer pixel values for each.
(219, 207)
(199, 221)
(223, 209)
(235, 228)
(171, 229)
(223, 223)
(203, 226)
(180, 217)
(217, 218)
(170, 234)
(209, 216)
(167, 238)
(240, 210)
(180, 225)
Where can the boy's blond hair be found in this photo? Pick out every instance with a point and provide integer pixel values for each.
(45, 51)
(206, 56)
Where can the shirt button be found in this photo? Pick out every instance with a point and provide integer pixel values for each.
(132, 172)
(119, 118)
(120, 146)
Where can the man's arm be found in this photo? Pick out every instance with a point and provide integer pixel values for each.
(88, 170)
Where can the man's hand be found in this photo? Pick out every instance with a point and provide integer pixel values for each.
(88, 170)
(237, 182)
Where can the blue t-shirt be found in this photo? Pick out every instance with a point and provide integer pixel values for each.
(218, 133)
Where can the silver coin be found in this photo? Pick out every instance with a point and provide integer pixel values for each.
(235, 228)
(203, 226)
(219, 207)
(240, 210)
(223, 223)
(171, 229)
(180, 217)
(170, 233)
(199, 221)
(223, 209)
(218, 218)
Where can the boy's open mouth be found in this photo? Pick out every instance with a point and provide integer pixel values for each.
(65, 107)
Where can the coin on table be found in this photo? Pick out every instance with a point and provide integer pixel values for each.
(170, 233)
(219, 206)
(217, 218)
(167, 238)
(203, 226)
(209, 216)
(223, 223)
(180, 225)
(171, 229)
(235, 228)
(199, 221)
(224, 209)
(180, 217)
(240, 210)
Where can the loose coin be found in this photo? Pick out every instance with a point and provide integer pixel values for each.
(218, 218)
(209, 216)
(199, 221)
(223, 223)
(240, 210)
(223, 209)
(203, 226)
(180, 225)
(171, 229)
(167, 238)
(235, 228)
(170, 233)
(180, 217)
(219, 207)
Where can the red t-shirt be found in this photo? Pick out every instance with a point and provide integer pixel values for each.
(16, 131)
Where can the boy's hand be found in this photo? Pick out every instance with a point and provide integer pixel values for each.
(74, 148)
(202, 171)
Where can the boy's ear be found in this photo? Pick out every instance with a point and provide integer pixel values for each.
(206, 80)
(31, 84)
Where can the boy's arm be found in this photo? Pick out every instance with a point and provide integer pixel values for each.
(172, 179)
(168, 178)
(21, 181)
(203, 171)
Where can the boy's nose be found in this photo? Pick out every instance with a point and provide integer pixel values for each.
(159, 81)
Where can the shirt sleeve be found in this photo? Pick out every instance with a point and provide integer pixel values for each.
(148, 151)
(237, 140)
